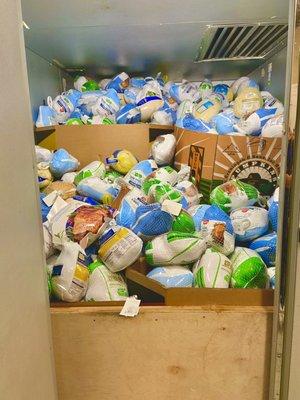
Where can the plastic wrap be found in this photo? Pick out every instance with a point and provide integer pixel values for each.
(174, 276)
(249, 270)
(175, 248)
(104, 285)
(119, 248)
(213, 270)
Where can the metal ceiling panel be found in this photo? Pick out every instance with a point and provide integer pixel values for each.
(108, 50)
(258, 41)
(142, 37)
(76, 13)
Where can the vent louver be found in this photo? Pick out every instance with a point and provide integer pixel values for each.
(242, 42)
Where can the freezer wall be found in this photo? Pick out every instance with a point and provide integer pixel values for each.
(45, 79)
(271, 75)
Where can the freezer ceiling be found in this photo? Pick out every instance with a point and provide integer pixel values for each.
(141, 37)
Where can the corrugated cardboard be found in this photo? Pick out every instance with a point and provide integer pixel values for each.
(89, 142)
(215, 159)
(193, 296)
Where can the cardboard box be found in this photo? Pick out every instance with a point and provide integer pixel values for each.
(139, 284)
(215, 159)
(63, 304)
(89, 142)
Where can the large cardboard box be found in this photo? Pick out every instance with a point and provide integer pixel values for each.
(215, 159)
(89, 142)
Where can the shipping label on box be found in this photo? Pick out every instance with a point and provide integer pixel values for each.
(215, 159)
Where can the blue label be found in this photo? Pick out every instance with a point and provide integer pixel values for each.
(107, 235)
(135, 182)
(56, 271)
(147, 99)
(88, 200)
(82, 260)
(207, 104)
(111, 160)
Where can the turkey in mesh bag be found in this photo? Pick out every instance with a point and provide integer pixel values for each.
(175, 248)
(172, 276)
(234, 194)
(104, 285)
(215, 225)
(249, 223)
(248, 269)
(265, 246)
(151, 220)
(213, 270)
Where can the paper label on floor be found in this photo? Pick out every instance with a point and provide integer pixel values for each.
(131, 307)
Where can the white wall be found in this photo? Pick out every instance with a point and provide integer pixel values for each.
(26, 361)
(275, 85)
(44, 78)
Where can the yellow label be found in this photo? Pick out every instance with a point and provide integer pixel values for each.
(120, 234)
(107, 198)
(81, 273)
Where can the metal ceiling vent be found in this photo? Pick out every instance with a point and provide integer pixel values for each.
(242, 42)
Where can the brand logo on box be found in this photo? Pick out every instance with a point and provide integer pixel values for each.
(258, 172)
(196, 157)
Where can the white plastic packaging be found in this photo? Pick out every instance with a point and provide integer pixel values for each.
(166, 174)
(69, 177)
(43, 155)
(249, 222)
(163, 149)
(79, 82)
(69, 277)
(175, 248)
(172, 276)
(274, 127)
(98, 189)
(85, 231)
(104, 285)
(191, 196)
(93, 169)
(48, 246)
(248, 269)
(213, 270)
(119, 248)
(217, 236)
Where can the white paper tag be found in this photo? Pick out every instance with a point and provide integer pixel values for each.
(57, 206)
(123, 76)
(50, 199)
(131, 307)
(171, 207)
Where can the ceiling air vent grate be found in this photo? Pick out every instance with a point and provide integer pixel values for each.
(242, 42)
